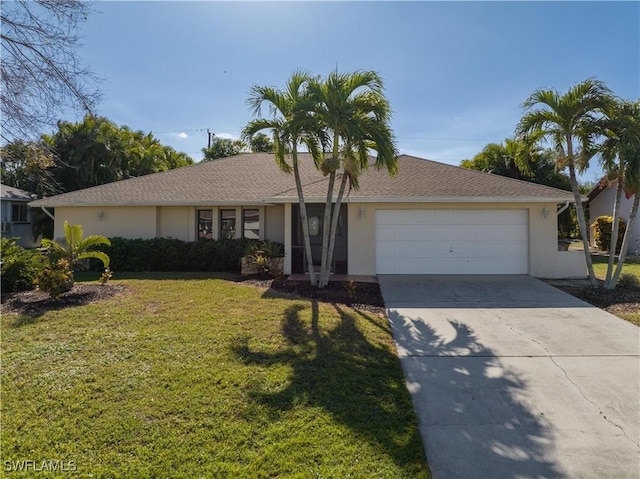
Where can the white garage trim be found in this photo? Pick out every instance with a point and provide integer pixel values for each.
(452, 241)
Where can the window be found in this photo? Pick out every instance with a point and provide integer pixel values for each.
(227, 224)
(251, 224)
(205, 224)
(19, 213)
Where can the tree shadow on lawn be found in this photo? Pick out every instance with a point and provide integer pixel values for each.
(478, 420)
(359, 383)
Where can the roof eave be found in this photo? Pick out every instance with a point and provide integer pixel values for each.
(54, 204)
(442, 199)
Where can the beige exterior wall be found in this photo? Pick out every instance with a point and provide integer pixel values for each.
(162, 221)
(545, 261)
(274, 223)
(125, 221)
(177, 222)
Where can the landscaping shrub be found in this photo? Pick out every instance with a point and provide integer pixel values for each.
(602, 227)
(18, 266)
(629, 281)
(56, 278)
(261, 255)
(168, 254)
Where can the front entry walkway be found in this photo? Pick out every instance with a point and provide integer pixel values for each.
(512, 378)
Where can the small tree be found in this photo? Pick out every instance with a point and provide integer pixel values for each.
(76, 248)
(221, 148)
(261, 143)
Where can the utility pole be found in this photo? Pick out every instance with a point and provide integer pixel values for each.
(211, 134)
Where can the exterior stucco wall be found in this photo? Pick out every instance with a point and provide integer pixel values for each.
(544, 256)
(162, 221)
(274, 223)
(602, 205)
(111, 221)
(176, 222)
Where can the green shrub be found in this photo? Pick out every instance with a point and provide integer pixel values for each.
(629, 281)
(18, 267)
(261, 256)
(55, 279)
(168, 254)
(602, 227)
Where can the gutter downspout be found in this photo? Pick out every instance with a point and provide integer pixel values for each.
(46, 212)
(566, 205)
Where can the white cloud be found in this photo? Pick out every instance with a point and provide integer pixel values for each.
(228, 136)
(182, 135)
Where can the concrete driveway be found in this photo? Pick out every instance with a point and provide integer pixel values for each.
(512, 378)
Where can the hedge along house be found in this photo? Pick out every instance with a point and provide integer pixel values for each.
(431, 218)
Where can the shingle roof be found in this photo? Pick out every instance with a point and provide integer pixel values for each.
(14, 194)
(254, 178)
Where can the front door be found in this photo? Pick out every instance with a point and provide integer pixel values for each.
(315, 216)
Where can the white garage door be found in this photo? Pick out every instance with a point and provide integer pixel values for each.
(452, 242)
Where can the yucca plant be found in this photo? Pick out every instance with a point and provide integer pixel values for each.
(76, 248)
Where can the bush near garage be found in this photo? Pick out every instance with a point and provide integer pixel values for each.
(602, 227)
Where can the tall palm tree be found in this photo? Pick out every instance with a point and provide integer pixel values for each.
(572, 123)
(622, 143)
(354, 113)
(291, 126)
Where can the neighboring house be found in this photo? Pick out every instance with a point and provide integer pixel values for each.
(16, 219)
(601, 198)
(431, 218)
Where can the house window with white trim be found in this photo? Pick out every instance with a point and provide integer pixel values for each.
(251, 224)
(227, 224)
(205, 224)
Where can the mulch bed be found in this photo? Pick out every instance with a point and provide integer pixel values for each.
(35, 303)
(615, 301)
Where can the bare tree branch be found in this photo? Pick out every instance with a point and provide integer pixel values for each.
(41, 72)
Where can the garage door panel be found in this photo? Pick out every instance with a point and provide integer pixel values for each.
(394, 232)
(452, 241)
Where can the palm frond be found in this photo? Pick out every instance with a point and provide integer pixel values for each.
(97, 255)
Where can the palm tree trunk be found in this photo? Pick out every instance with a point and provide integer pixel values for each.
(614, 234)
(625, 242)
(582, 223)
(303, 218)
(324, 279)
(324, 266)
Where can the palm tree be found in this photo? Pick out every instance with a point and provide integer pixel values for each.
(513, 158)
(572, 123)
(291, 126)
(622, 143)
(76, 247)
(354, 113)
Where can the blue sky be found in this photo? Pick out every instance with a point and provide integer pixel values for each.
(456, 73)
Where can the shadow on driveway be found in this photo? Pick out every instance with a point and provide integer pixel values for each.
(470, 408)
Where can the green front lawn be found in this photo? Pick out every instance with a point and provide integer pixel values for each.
(631, 265)
(200, 377)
